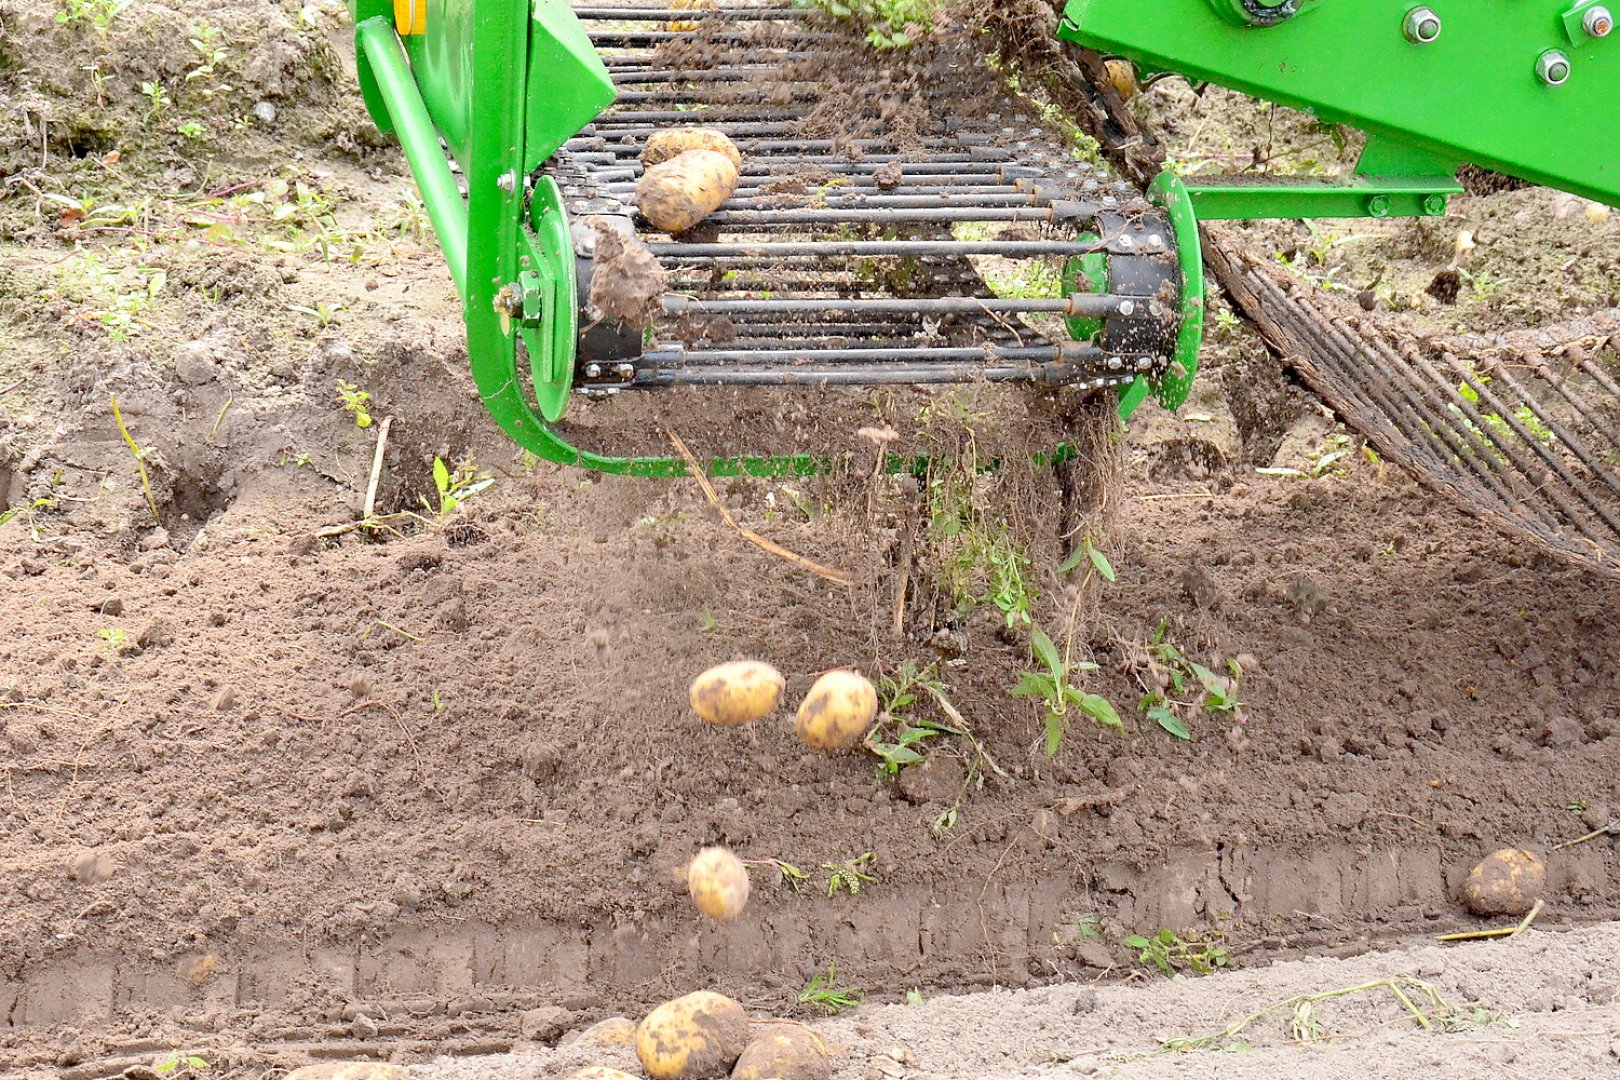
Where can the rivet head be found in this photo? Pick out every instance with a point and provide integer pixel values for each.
(1421, 26)
(1598, 22)
(1552, 68)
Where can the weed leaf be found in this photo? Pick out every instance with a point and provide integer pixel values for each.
(1161, 715)
(1102, 710)
(1045, 651)
(1100, 561)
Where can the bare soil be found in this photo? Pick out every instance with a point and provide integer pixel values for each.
(275, 794)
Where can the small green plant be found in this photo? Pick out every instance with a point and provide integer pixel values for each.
(890, 24)
(157, 99)
(1578, 806)
(192, 130)
(1058, 694)
(113, 637)
(455, 488)
(824, 993)
(897, 733)
(848, 876)
(179, 1063)
(205, 41)
(1167, 677)
(98, 13)
(323, 313)
(1169, 952)
(355, 402)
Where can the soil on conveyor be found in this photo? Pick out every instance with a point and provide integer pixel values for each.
(275, 786)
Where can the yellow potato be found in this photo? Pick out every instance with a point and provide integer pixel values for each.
(1122, 77)
(678, 194)
(600, 1072)
(784, 1051)
(838, 711)
(686, 26)
(737, 693)
(696, 1037)
(718, 882)
(1507, 882)
(664, 145)
(614, 1031)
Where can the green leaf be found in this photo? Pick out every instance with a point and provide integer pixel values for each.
(902, 755)
(1076, 557)
(1168, 720)
(1033, 685)
(1045, 651)
(1054, 734)
(441, 476)
(1468, 393)
(1102, 710)
(1100, 561)
(1212, 682)
(1136, 941)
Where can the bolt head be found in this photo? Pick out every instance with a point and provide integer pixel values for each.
(1598, 22)
(593, 371)
(1421, 26)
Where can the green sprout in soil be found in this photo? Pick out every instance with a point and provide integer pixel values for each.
(98, 13)
(1169, 953)
(456, 487)
(355, 402)
(824, 993)
(896, 736)
(848, 876)
(178, 1064)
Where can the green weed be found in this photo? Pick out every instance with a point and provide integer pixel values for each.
(1169, 953)
(890, 24)
(1175, 688)
(848, 876)
(824, 993)
(355, 402)
(897, 733)
(98, 13)
(1057, 692)
(456, 487)
(178, 1064)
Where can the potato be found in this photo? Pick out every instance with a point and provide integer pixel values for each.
(696, 1037)
(664, 145)
(784, 1051)
(677, 195)
(737, 693)
(1122, 77)
(838, 711)
(614, 1031)
(718, 882)
(1508, 882)
(600, 1072)
(686, 26)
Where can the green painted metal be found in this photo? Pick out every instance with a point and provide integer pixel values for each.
(1471, 95)
(1351, 197)
(1086, 274)
(576, 83)
(1171, 389)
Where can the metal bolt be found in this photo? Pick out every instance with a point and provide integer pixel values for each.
(1552, 68)
(1598, 22)
(1126, 243)
(1378, 206)
(1434, 205)
(1115, 363)
(593, 371)
(625, 371)
(1422, 26)
(1155, 242)
(507, 182)
(1127, 308)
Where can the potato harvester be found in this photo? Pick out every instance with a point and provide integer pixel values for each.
(523, 120)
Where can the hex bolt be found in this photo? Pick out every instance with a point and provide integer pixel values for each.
(507, 182)
(1127, 308)
(1552, 68)
(625, 371)
(1378, 206)
(1434, 205)
(1421, 26)
(593, 371)
(1598, 22)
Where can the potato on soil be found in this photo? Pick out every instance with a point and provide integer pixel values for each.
(718, 882)
(696, 1037)
(686, 26)
(838, 711)
(664, 145)
(614, 1031)
(1507, 882)
(599, 1072)
(786, 1052)
(737, 693)
(679, 194)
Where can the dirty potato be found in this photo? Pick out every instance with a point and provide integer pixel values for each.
(838, 711)
(785, 1051)
(718, 882)
(1507, 882)
(680, 193)
(686, 26)
(664, 145)
(696, 1037)
(737, 693)
(600, 1072)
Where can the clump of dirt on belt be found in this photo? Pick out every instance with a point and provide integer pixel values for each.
(628, 280)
